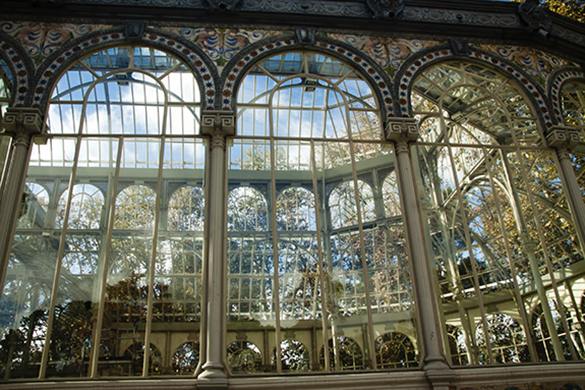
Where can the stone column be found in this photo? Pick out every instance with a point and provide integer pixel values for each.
(218, 125)
(402, 131)
(20, 123)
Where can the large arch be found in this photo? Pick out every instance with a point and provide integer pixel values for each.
(242, 62)
(557, 81)
(21, 67)
(430, 57)
(193, 57)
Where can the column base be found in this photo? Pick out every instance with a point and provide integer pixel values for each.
(213, 377)
(439, 375)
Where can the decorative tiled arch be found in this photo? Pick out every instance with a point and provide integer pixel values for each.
(190, 54)
(236, 69)
(16, 61)
(429, 58)
(559, 78)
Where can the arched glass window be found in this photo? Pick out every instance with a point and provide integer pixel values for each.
(186, 209)
(497, 214)
(457, 346)
(344, 354)
(544, 340)
(86, 206)
(247, 210)
(506, 338)
(185, 358)
(135, 355)
(244, 357)
(296, 210)
(326, 255)
(124, 132)
(396, 350)
(342, 204)
(295, 356)
(135, 208)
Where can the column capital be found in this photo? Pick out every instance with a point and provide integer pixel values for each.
(562, 137)
(18, 120)
(218, 123)
(402, 129)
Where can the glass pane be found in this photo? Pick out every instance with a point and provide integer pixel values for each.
(29, 288)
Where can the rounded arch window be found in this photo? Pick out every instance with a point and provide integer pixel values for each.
(543, 338)
(344, 354)
(244, 357)
(185, 358)
(395, 350)
(33, 206)
(317, 88)
(310, 141)
(85, 209)
(135, 355)
(295, 209)
(295, 356)
(186, 209)
(127, 90)
(506, 338)
(305, 95)
(464, 102)
(123, 125)
(457, 346)
(135, 208)
(247, 210)
(344, 207)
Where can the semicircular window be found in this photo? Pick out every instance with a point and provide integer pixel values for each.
(135, 208)
(344, 208)
(247, 210)
(127, 90)
(186, 358)
(85, 207)
(507, 342)
(244, 357)
(344, 354)
(186, 209)
(395, 350)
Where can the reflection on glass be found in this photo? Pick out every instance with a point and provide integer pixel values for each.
(315, 232)
(498, 220)
(124, 242)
